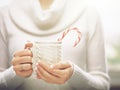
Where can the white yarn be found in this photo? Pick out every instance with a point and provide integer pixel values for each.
(49, 52)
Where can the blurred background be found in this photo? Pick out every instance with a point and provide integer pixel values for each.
(110, 14)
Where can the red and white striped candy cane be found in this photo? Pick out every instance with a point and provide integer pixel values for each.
(66, 32)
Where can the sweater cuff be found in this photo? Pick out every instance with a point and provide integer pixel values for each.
(79, 79)
(11, 79)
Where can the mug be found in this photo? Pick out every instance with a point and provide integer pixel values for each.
(49, 52)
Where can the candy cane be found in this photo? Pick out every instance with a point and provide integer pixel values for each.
(66, 32)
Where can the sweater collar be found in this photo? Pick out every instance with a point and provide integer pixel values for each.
(46, 19)
(30, 18)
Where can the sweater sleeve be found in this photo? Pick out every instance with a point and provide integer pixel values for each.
(96, 77)
(8, 78)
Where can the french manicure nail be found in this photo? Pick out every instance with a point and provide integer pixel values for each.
(35, 68)
(36, 64)
(51, 66)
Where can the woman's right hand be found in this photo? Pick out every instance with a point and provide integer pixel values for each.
(22, 61)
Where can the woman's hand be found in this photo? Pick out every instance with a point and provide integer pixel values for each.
(22, 61)
(57, 73)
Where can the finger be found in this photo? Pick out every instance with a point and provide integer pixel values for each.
(23, 67)
(24, 73)
(53, 79)
(61, 65)
(38, 74)
(22, 60)
(28, 45)
(25, 52)
(63, 74)
(60, 73)
(46, 76)
(45, 65)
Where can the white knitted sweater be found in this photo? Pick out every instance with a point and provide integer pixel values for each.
(25, 20)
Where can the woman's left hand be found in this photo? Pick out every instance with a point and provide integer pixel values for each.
(57, 73)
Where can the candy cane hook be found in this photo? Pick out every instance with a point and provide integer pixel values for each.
(67, 31)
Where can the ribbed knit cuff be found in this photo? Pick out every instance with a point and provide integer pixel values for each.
(79, 78)
(12, 81)
(92, 81)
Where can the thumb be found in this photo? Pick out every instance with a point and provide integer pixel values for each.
(28, 45)
(61, 65)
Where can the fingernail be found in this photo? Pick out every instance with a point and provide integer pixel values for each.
(35, 68)
(37, 64)
(51, 66)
